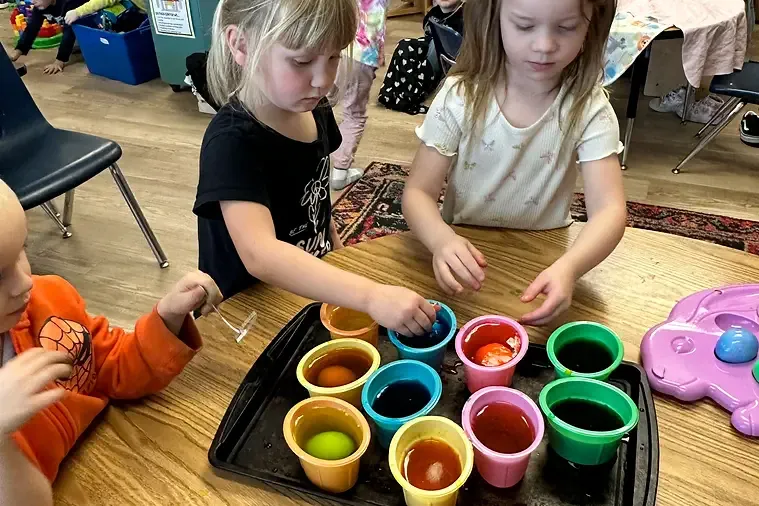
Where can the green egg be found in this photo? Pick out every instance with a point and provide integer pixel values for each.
(330, 445)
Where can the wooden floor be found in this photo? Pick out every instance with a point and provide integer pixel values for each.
(160, 132)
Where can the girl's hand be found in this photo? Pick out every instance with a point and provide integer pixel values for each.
(457, 259)
(557, 283)
(71, 17)
(23, 382)
(195, 290)
(401, 310)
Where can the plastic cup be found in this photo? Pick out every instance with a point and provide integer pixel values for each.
(318, 414)
(581, 446)
(350, 392)
(587, 331)
(430, 427)
(501, 470)
(370, 333)
(479, 376)
(432, 356)
(399, 370)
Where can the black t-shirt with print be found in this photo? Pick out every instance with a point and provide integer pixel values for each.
(241, 159)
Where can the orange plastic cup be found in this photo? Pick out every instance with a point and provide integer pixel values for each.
(343, 322)
(350, 392)
(318, 414)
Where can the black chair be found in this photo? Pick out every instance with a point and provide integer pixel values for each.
(447, 44)
(742, 87)
(40, 162)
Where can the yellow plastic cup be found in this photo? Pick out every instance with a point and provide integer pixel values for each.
(318, 414)
(350, 392)
(334, 317)
(430, 427)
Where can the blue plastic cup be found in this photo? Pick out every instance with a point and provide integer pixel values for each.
(433, 355)
(400, 370)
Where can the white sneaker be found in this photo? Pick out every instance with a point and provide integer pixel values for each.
(703, 110)
(3, 4)
(344, 177)
(671, 101)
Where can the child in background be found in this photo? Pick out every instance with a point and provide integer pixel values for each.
(97, 5)
(263, 199)
(356, 79)
(55, 9)
(449, 13)
(47, 337)
(521, 108)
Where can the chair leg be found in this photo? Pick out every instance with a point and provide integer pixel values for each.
(53, 208)
(126, 191)
(51, 213)
(711, 135)
(713, 121)
(628, 139)
(68, 208)
(686, 102)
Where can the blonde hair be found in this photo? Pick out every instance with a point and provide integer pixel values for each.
(480, 69)
(295, 24)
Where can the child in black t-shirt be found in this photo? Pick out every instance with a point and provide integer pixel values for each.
(263, 200)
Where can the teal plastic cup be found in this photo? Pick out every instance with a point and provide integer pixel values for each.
(430, 355)
(579, 445)
(587, 335)
(400, 370)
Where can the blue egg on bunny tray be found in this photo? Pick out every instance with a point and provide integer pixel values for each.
(737, 345)
(440, 330)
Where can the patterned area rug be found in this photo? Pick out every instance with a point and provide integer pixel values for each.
(371, 208)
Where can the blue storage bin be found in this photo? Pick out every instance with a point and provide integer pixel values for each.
(127, 57)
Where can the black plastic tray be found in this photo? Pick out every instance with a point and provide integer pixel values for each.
(250, 441)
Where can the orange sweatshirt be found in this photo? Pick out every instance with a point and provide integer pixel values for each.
(108, 364)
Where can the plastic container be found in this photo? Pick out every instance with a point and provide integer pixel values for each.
(432, 356)
(127, 57)
(478, 376)
(350, 392)
(587, 331)
(318, 414)
(581, 446)
(398, 371)
(501, 470)
(430, 427)
(369, 333)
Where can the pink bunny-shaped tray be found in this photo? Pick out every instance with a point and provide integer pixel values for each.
(679, 357)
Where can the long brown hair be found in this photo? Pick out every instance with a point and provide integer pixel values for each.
(480, 68)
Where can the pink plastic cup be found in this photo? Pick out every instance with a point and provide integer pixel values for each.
(478, 376)
(501, 470)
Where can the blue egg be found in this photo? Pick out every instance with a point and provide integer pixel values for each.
(737, 345)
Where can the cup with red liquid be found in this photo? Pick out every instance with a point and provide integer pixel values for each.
(490, 347)
(505, 427)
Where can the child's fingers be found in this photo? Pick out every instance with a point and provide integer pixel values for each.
(463, 273)
(472, 266)
(423, 320)
(535, 288)
(38, 359)
(41, 379)
(404, 331)
(545, 312)
(478, 256)
(44, 399)
(429, 310)
(446, 279)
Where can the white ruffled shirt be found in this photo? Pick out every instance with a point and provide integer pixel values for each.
(515, 177)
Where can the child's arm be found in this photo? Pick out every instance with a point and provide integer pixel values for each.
(605, 201)
(453, 256)
(130, 365)
(88, 8)
(23, 393)
(289, 267)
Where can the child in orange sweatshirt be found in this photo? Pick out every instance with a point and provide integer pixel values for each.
(59, 366)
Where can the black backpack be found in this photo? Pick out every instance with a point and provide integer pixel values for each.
(409, 79)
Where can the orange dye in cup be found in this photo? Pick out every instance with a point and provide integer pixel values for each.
(349, 320)
(503, 427)
(431, 465)
(491, 344)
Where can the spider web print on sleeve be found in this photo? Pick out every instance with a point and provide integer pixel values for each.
(58, 334)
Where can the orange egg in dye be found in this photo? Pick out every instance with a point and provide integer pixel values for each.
(335, 376)
(493, 355)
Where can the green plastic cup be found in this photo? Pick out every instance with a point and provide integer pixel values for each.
(578, 445)
(591, 334)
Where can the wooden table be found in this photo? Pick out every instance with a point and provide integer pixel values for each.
(154, 452)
